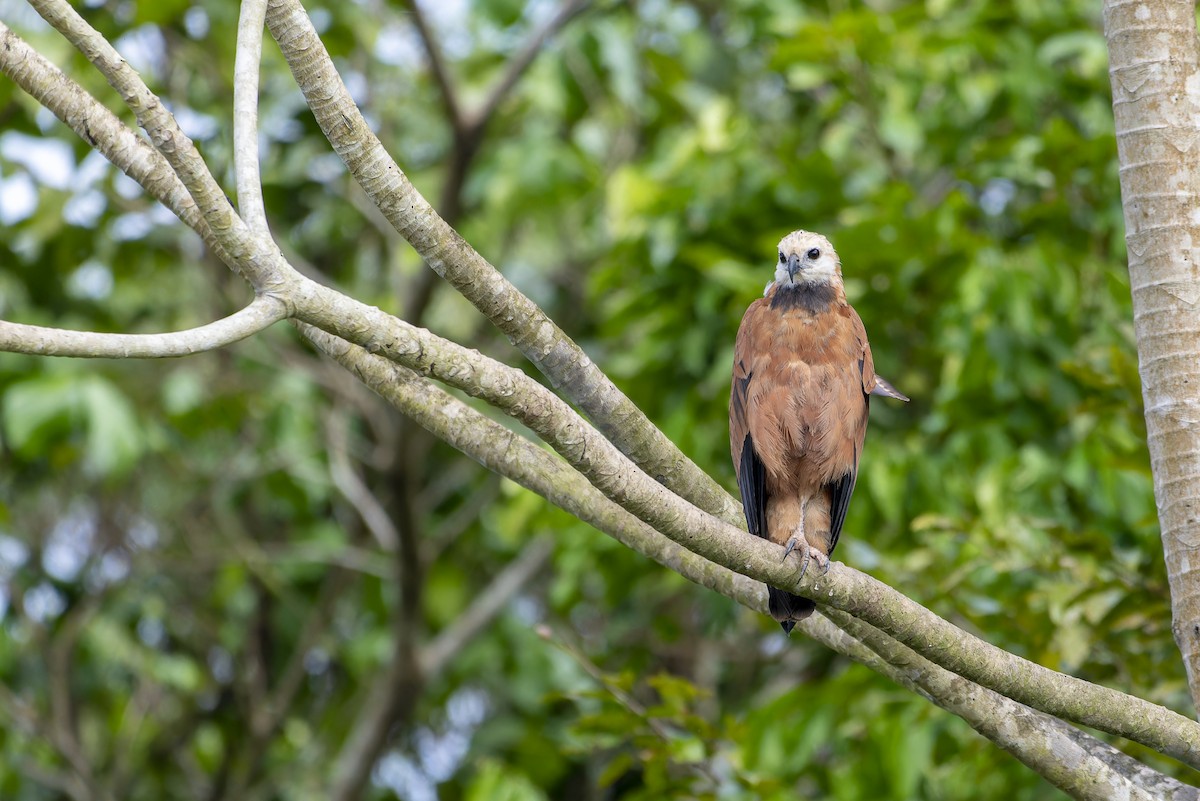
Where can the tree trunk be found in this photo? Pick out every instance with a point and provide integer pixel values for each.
(1153, 64)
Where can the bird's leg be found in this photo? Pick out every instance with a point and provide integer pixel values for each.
(808, 553)
(796, 538)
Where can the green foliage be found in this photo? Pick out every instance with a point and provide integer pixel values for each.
(44, 411)
(181, 525)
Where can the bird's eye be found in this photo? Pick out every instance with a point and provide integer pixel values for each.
(813, 254)
(781, 258)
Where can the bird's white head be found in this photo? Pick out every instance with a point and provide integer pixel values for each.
(806, 258)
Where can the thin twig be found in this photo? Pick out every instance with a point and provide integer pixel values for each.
(517, 65)
(631, 704)
(63, 783)
(145, 697)
(468, 128)
(487, 604)
(351, 486)
(446, 532)
(22, 718)
(347, 557)
(390, 699)
(273, 705)
(437, 65)
(64, 724)
(315, 627)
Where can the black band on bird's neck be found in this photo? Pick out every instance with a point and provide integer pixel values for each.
(812, 297)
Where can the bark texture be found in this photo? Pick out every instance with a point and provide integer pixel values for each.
(1154, 65)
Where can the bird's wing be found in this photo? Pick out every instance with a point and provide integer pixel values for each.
(751, 473)
(840, 490)
(854, 400)
(884, 387)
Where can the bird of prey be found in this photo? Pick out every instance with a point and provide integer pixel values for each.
(802, 378)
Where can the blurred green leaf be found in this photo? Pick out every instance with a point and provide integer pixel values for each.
(495, 782)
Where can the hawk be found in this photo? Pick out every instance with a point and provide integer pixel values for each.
(802, 379)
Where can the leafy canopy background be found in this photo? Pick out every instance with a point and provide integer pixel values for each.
(959, 155)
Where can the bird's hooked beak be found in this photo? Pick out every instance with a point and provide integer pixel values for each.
(793, 266)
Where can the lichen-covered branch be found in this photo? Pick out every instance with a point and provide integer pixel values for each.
(1072, 760)
(35, 340)
(253, 256)
(1154, 64)
(103, 130)
(841, 588)
(1044, 743)
(521, 320)
(246, 65)
(1027, 682)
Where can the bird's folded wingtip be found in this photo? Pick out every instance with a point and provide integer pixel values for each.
(884, 387)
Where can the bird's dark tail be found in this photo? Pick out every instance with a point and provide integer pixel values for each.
(787, 608)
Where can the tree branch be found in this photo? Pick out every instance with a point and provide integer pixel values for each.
(269, 714)
(263, 312)
(1013, 726)
(1039, 740)
(521, 320)
(64, 725)
(245, 114)
(701, 768)
(392, 694)
(101, 129)
(253, 255)
(356, 492)
(1023, 681)
(447, 532)
(1154, 66)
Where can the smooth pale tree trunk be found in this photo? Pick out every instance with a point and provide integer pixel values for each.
(1153, 64)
